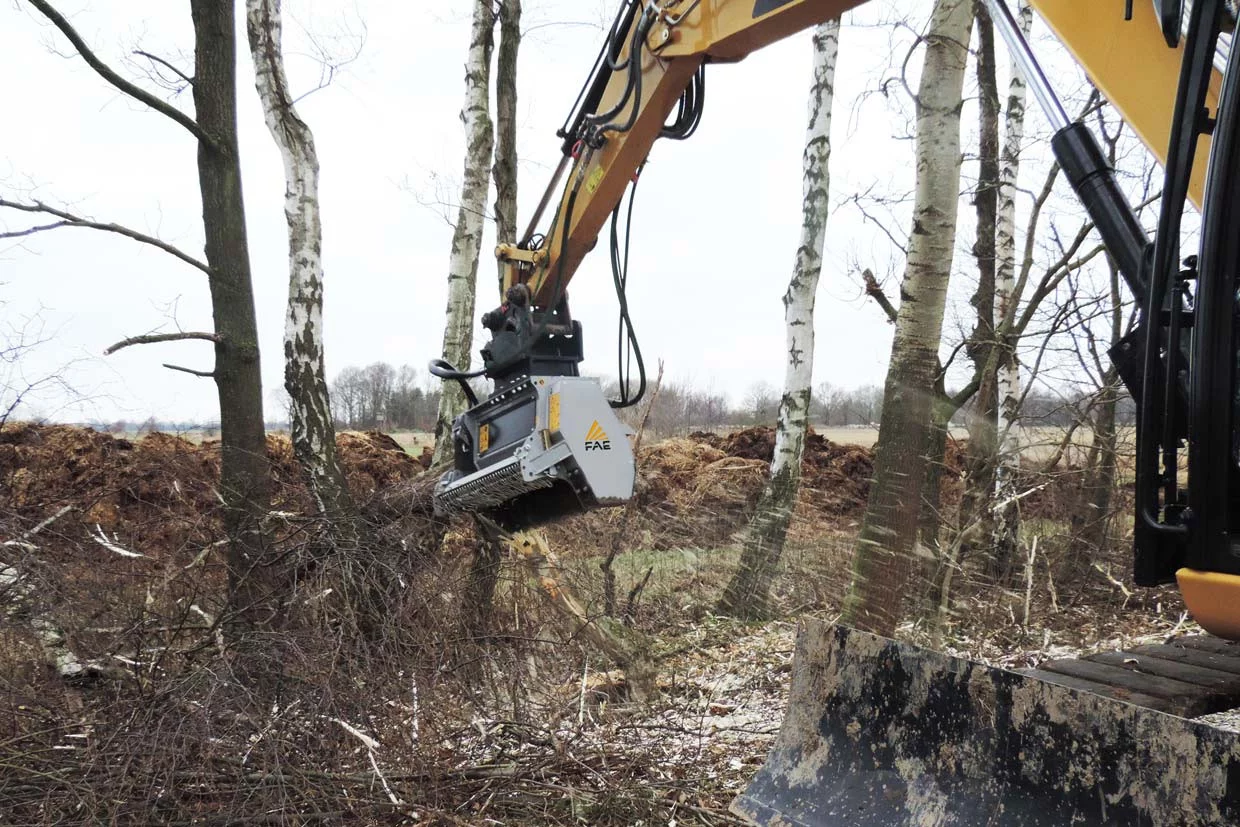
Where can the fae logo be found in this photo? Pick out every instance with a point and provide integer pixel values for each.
(596, 438)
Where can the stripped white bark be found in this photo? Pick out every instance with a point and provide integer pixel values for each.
(1006, 302)
(458, 332)
(885, 548)
(748, 592)
(21, 605)
(305, 379)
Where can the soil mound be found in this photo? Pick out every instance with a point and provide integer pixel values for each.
(158, 492)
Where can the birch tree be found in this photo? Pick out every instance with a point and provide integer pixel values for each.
(305, 377)
(748, 592)
(981, 347)
(1007, 371)
(885, 547)
(458, 333)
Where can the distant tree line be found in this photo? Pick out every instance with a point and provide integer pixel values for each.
(382, 396)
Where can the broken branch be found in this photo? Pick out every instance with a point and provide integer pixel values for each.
(205, 374)
(153, 338)
(875, 291)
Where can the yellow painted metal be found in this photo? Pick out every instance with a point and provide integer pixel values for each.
(686, 34)
(516, 261)
(1213, 599)
(1130, 63)
(553, 413)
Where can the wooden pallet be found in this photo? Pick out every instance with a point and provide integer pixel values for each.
(1187, 676)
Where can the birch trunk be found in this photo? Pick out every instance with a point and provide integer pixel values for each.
(748, 593)
(458, 333)
(1007, 373)
(305, 379)
(982, 451)
(884, 554)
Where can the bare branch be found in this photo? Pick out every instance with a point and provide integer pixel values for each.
(153, 338)
(165, 64)
(70, 220)
(107, 73)
(205, 374)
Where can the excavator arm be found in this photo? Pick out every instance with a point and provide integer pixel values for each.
(651, 64)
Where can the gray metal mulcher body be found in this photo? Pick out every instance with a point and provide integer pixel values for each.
(882, 733)
(541, 448)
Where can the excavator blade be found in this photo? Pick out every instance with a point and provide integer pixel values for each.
(883, 733)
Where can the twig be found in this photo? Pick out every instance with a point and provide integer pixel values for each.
(23, 540)
(103, 540)
(165, 64)
(1033, 553)
(205, 374)
(609, 575)
(630, 608)
(370, 743)
(154, 338)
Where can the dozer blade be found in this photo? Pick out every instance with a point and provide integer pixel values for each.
(883, 733)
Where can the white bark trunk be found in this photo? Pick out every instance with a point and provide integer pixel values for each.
(748, 592)
(313, 432)
(1006, 302)
(458, 333)
(889, 531)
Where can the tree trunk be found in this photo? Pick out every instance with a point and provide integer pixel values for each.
(975, 508)
(505, 168)
(627, 648)
(884, 552)
(1007, 371)
(458, 333)
(748, 592)
(305, 379)
(1091, 517)
(238, 378)
(484, 571)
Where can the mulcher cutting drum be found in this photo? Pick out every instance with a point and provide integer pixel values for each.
(541, 448)
(881, 734)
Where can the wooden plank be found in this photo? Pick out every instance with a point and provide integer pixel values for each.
(1216, 681)
(1105, 690)
(1183, 698)
(1223, 663)
(1208, 643)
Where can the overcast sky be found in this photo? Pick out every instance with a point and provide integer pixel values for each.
(715, 227)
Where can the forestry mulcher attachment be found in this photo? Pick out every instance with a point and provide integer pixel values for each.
(879, 733)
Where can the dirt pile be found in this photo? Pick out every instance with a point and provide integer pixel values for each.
(158, 492)
(701, 490)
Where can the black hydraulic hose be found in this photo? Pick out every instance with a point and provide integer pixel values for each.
(596, 84)
(626, 337)
(634, 88)
(445, 370)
